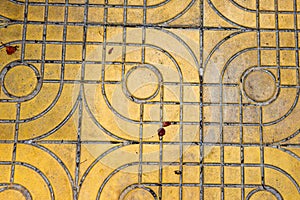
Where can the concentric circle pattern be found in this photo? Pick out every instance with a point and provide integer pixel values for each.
(20, 81)
(149, 99)
(142, 82)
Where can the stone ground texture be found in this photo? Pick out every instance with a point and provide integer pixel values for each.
(92, 81)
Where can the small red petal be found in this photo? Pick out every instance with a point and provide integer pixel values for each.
(161, 132)
(10, 49)
(165, 124)
(110, 50)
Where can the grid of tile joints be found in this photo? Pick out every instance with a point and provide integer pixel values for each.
(219, 109)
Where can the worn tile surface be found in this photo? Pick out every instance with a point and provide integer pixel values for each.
(91, 81)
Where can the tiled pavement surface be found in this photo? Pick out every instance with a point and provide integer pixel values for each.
(91, 82)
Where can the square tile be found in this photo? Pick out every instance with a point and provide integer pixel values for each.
(231, 134)
(233, 193)
(73, 52)
(268, 57)
(8, 130)
(56, 13)
(287, 39)
(288, 76)
(136, 2)
(252, 155)
(211, 134)
(191, 93)
(232, 154)
(191, 153)
(191, 113)
(94, 34)
(211, 94)
(190, 193)
(232, 175)
(286, 21)
(114, 34)
(151, 111)
(251, 134)
(72, 72)
(52, 71)
(34, 32)
(114, 53)
(266, 5)
(135, 16)
(77, 1)
(75, 14)
(93, 72)
(285, 5)
(287, 58)
(36, 13)
(212, 175)
(96, 14)
(172, 135)
(172, 93)
(267, 21)
(133, 54)
(53, 52)
(212, 154)
(101, 2)
(231, 114)
(191, 174)
(54, 33)
(115, 15)
(252, 175)
(150, 173)
(212, 193)
(268, 39)
(191, 133)
(169, 175)
(94, 52)
(74, 33)
(56, 1)
(231, 94)
(211, 113)
(33, 51)
(116, 2)
(134, 35)
(170, 192)
(113, 73)
(251, 114)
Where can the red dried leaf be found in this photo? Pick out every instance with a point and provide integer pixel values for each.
(165, 124)
(161, 132)
(11, 49)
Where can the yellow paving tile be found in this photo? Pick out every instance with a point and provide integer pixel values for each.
(149, 99)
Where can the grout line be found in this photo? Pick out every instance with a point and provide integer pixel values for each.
(24, 30)
(297, 46)
(221, 141)
(242, 148)
(261, 114)
(161, 143)
(44, 39)
(144, 31)
(80, 108)
(14, 153)
(201, 93)
(140, 170)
